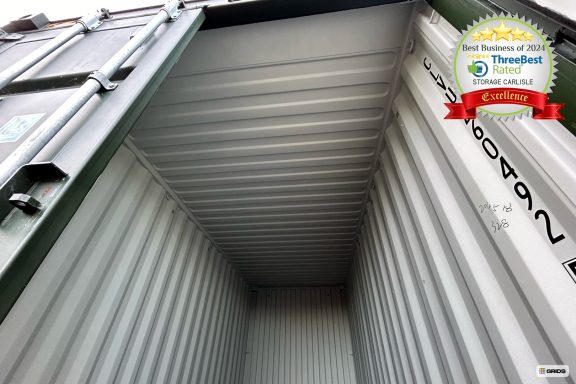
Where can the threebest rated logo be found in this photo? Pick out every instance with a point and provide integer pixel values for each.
(478, 68)
(504, 68)
(552, 371)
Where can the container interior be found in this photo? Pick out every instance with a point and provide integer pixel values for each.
(269, 134)
(292, 207)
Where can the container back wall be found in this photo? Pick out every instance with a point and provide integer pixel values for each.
(299, 335)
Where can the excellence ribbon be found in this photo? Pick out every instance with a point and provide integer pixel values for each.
(537, 100)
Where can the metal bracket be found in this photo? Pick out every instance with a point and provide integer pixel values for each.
(91, 22)
(105, 83)
(5, 36)
(565, 44)
(94, 20)
(25, 202)
(105, 12)
(15, 189)
(173, 8)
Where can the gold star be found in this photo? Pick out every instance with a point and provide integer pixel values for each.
(476, 36)
(517, 34)
(502, 32)
(478, 56)
(486, 34)
(528, 36)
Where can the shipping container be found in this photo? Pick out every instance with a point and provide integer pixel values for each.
(267, 191)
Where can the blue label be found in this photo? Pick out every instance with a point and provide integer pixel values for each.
(18, 126)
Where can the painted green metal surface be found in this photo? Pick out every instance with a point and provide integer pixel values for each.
(565, 91)
(28, 253)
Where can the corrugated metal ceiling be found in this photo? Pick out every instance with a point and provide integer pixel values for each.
(268, 133)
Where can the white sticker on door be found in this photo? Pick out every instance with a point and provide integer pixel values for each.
(17, 126)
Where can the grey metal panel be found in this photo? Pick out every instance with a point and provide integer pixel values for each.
(437, 292)
(267, 132)
(132, 291)
(299, 335)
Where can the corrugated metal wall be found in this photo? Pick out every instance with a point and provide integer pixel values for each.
(299, 335)
(132, 292)
(454, 280)
(269, 136)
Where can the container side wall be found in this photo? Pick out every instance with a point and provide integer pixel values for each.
(456, 277)
(131, 292)
(299, 335)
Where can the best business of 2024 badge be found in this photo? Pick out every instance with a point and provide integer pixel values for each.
(504, 67)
